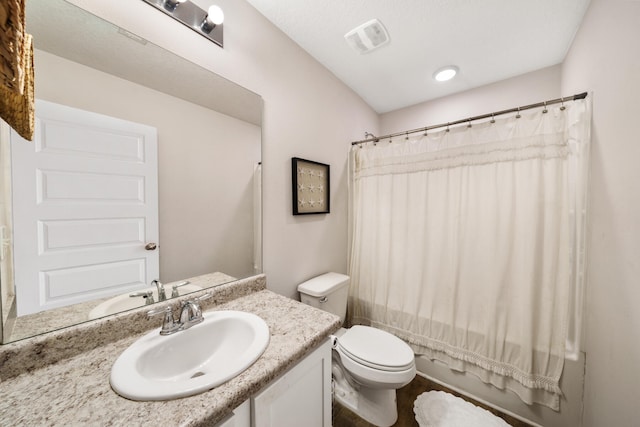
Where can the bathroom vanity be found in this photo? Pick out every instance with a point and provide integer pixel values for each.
(62, 378)
(301, 396)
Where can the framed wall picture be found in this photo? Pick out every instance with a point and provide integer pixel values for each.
(310, 186)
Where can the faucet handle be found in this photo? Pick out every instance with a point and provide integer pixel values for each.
(147, 295)
(203, 297)
(169, 325)
(174, 288)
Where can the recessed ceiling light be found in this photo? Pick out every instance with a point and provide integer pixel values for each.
(445, 73)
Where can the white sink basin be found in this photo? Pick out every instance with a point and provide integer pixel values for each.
(125, 302)
(188, 362)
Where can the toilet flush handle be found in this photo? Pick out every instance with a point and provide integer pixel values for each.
(334, 341)
(323, 299)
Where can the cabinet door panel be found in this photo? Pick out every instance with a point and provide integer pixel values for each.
(301, 397)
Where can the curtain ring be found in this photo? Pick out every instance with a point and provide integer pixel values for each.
(493, 119)
(406, 137)
(545, 111)
(562, 107)
(518, 115)
(447, 126)
(469, 124)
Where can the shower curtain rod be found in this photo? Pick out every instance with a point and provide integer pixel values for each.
(472, 119)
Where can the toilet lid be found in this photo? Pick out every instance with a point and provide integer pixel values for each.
(376, 348)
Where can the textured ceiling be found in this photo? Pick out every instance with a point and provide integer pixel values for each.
(489, 40)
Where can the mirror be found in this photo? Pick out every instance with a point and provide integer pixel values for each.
(209, 151)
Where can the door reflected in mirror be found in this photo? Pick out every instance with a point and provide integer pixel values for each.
(208, 179)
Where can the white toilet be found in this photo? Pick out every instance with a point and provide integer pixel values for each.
(368, 364)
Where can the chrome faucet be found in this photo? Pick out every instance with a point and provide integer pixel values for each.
(190, 315)
(169, 326)
(160, 287)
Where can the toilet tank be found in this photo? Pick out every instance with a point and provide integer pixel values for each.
(327, 292)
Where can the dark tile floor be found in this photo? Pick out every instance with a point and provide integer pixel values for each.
(342, 417)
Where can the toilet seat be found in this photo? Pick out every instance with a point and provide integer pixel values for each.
(375, 349)
(366, 363)
(373, 377)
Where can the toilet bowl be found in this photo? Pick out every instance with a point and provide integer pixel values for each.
(368, 364)
(376, 358)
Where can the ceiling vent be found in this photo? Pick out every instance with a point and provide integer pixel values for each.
(367, 37)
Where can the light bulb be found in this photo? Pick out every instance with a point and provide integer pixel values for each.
(215, 15)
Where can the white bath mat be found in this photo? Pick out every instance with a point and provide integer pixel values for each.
(440, 409)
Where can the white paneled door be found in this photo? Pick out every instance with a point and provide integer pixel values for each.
(85, 208)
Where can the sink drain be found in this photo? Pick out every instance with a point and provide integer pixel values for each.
(197, 374)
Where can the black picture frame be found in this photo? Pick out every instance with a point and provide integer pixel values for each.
(310, 187)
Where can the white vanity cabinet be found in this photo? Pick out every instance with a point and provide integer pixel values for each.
(299, 397)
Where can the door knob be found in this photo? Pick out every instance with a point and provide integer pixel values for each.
(151, 246)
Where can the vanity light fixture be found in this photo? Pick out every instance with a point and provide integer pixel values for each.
(446, 73)
(206, 23)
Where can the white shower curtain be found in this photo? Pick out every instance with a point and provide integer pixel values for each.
(467, 244)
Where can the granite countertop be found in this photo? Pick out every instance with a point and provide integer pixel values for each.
(51, 320)
(76, 390)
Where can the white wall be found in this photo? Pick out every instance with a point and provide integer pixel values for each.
(205, 164)
(605, 59)
(308, 113)
(521, 90)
